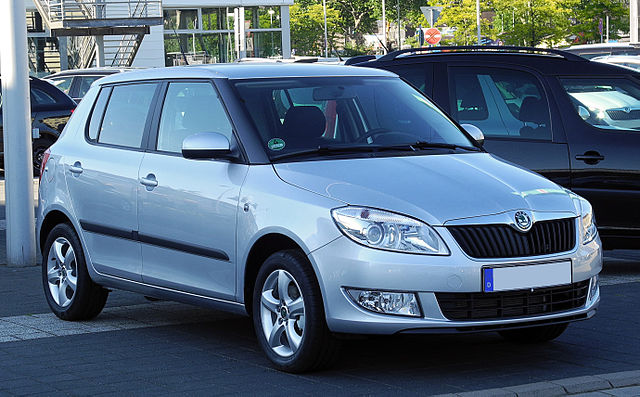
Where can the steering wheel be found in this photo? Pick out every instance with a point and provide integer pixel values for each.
(384, 131)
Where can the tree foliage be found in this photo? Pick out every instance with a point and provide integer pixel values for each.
(461, 14)
(307, 28)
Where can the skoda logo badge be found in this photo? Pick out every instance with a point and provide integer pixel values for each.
(627, 110)
(523, 221)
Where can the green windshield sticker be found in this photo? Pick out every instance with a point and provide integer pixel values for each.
(276, 144)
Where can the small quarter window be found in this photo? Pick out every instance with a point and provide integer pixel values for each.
(126, 115)
(96, 115)
(39, 97)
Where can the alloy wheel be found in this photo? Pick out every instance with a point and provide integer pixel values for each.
(62, 272)
(282, 313)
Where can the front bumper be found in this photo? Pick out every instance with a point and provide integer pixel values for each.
(344, 264)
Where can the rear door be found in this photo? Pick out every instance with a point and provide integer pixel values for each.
(102, 177)
(187, 208)
(602, 119)
(517, 116)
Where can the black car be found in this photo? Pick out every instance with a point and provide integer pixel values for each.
(76, 82)
(50, 111)
(574, 121)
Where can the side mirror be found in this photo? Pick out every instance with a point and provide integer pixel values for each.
(206, 145)
(583, 112)
(474, 131)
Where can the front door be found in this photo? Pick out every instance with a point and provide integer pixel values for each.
(602, 117)
(188, 207)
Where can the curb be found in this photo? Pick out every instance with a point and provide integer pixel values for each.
(614, 382)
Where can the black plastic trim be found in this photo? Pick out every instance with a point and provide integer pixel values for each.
(142, 238)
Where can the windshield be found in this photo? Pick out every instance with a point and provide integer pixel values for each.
(303, 114)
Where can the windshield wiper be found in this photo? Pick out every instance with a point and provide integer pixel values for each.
(329, 150)
(437, 145)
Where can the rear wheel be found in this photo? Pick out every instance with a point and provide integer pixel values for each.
(40, 145)
(534, 334)
(288, 314)
(70, 292)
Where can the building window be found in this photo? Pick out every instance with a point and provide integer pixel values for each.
(262, 17)
(206, 35)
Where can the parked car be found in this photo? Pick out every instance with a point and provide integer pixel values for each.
(76, 82)
(574, 121)
(590, 51)
(50, 111)
(628, 61)
(319, 199)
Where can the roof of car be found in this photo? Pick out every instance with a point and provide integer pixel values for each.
(602, 45)
(244, 71)
(550, 63)
(102, 71)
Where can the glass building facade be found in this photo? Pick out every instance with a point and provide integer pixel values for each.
(211, 35)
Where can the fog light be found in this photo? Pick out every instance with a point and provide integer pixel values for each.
(398, 303)
(594, 288)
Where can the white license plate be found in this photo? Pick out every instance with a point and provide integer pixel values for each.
(528, 276)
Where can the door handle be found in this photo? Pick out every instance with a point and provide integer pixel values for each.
(76, 168)
(590, 157)
(149, 181)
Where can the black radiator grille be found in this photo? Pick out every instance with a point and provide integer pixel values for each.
(503, 241)
(622, 115)
(510, 304)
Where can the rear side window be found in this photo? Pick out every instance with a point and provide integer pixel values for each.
(40, 97)
(501, 102)
(63, 83)
(126, 115)
(84, 84)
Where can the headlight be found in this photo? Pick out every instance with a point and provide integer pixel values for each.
(588, 229)
(388, 231)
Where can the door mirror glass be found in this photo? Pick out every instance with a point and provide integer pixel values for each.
(583, 113)
(206, 145)
(474, 131)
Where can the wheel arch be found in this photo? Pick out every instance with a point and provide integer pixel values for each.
(50, 220)
(261, 249)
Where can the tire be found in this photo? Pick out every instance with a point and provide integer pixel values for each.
(531, 335)
(302, 341)
(40, 145)
(63, 264)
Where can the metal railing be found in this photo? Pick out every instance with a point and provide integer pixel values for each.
(73, 10)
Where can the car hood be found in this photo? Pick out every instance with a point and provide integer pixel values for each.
(605, 100)
(433, 188)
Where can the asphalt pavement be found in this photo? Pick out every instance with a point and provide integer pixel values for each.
(137, 347)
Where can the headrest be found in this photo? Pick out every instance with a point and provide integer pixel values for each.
(534, 110)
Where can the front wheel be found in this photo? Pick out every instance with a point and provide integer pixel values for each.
(288, 314)
(534, 334)
(70, 292)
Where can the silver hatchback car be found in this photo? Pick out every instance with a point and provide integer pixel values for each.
(320, 200)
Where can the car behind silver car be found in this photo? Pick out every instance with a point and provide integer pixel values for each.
(321, 200)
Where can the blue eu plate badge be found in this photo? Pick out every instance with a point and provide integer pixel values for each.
(488, 280)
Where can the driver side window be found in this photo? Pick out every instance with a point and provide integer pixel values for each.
(190, 108)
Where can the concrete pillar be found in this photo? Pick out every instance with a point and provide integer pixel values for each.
(286, 32)
(241, 34)
(64, 55)
(100, 51)
(633, 20)
(16, 113)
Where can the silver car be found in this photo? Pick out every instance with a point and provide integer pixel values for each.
(320, 200)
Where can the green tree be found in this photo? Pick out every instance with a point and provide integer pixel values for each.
(461, 15)
(586, 15)
(532, 22)
(307, 27)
